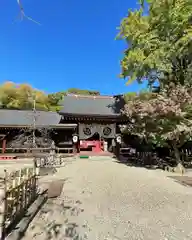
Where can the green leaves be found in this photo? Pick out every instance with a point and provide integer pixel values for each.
(159, 48)
(157, 41)
(20, 96)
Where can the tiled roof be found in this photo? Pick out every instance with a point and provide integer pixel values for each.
(25, 117)
(92, 105)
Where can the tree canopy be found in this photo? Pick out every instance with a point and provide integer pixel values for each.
(159, 45)
(21, 96)
(162, 116)
(159, 49)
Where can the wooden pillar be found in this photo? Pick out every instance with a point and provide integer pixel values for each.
(117, 150)
(4, 146)
(113, 146)
(74, 148)
(78, 147)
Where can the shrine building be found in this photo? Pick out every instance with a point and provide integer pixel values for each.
(84, 123)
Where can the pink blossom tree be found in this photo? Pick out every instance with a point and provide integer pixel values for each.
(162, 118)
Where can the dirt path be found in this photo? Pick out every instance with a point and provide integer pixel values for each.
(104, 200)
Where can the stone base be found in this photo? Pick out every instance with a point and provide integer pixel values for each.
(179, 169)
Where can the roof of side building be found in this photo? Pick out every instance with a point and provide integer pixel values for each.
(25, 117)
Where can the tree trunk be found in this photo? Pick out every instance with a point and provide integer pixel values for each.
(179, 168)
(176, 153)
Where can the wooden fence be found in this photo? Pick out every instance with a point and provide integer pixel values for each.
(18, 191)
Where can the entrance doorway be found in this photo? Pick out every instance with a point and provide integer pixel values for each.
(95, 137)
(93, 144)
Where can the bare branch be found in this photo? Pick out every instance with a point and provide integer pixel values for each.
(23, 15)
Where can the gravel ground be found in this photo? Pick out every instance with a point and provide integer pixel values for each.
(105, 200)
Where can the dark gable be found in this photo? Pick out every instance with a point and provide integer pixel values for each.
(92, 105)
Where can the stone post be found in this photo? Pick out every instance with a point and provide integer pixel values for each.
(105, 146)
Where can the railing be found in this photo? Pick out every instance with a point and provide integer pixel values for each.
(27, 150)
(67, 150)
(18, 192)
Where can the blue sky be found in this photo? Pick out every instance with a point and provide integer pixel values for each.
(75, 45)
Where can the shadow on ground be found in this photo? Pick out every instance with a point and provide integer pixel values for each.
(56, 217)
(152, 163)
(183, 180)
(135, 163)
(54, 221)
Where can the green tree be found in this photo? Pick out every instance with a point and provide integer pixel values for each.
(20, 96)
(56, 100)
(8, 95)
(160, 48)
(159, 42)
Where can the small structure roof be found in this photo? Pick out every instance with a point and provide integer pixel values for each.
(106, 106)
(25, 118)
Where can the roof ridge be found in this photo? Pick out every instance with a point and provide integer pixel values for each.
(90, 96)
